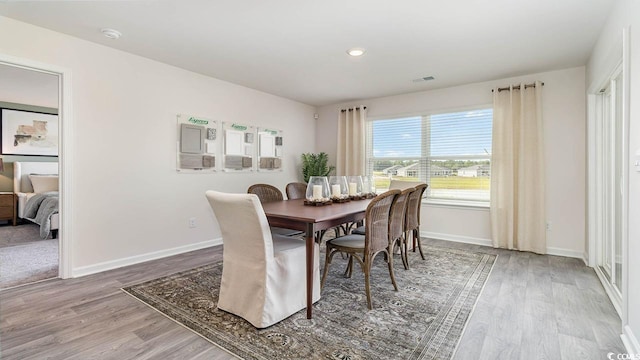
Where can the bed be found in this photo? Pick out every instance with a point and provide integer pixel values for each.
(23, 173)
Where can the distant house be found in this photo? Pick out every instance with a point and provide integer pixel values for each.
(391, 170)
(439, 171)
(409, 171)
(475, 171)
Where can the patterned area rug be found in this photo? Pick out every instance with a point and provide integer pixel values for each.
(424, 320)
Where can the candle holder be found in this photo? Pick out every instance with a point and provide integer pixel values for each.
(355, 187)
(317, 191)
(339, 189)
(368, 187)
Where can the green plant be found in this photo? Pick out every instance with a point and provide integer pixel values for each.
(315, 165)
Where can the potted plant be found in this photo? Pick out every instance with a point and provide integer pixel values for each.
(315, 165)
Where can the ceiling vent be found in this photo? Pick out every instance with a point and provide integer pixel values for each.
(426, 78)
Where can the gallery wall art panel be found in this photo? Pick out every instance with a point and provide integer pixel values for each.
(197, 144)
(29, 133)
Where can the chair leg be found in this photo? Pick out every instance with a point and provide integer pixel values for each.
(413, 239)
(367, 287)
(349, 270)
(405, 250)
(403, 253)
(393, 278)
(327, 262)
(346, 269)
(417, 236)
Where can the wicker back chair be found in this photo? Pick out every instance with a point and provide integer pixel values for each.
(268, 193)
(412, 220)
(364, 248)
(296, 190)
(397, 218)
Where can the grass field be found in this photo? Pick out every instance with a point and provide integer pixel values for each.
(451, 182)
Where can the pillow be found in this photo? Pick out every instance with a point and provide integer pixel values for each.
(44, 183)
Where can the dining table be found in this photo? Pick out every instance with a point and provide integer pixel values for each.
(294, 214)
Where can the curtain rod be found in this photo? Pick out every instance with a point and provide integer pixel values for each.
(345, 110)
(518, 87)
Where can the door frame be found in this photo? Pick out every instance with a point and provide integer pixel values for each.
(65, 155)
(595, 190)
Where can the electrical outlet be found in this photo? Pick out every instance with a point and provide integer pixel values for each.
(192, 222)
(549, 226)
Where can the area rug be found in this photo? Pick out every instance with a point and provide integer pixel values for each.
(423, 320)
(28, 263)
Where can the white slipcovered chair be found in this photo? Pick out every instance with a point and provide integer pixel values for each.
(263, 275)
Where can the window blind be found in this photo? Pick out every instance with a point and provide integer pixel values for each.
(449, 151)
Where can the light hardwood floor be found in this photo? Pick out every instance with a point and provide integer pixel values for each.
(533, 307)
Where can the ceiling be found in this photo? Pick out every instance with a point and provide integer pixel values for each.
(19, 84)
(297, 48)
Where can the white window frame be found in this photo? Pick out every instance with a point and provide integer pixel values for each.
(425, 158)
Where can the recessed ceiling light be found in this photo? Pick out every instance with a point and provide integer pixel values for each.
(356, 52)
(111, 33)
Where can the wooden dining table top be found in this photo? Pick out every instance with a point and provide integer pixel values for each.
(298, 211)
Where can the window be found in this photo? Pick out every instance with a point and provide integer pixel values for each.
(450, 151)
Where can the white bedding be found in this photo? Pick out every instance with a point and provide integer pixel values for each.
(23, 188)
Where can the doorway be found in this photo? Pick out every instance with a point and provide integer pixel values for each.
(608, 183)
(65, 153)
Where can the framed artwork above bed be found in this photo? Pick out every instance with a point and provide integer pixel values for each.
(28, 133)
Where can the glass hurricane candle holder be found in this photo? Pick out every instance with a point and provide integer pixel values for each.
(355, 186)
(318, 189)
(368, 185)
(339, 187)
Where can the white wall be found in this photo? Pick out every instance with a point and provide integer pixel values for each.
(604, 58)
(564, 131)
(128, 200)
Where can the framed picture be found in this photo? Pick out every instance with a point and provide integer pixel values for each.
(28, 133)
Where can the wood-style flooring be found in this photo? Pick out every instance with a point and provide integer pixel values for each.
(532, 307)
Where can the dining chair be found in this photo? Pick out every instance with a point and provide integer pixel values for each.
(296, 190)
(262, 280)
(364, 248)
(267, 193)
(412, 220)
(393, 185)
(397, 218)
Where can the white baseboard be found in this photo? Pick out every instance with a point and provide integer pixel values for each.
(456, 238)
(488, 242)
(565, 253)
(132, 260)
(630, 341)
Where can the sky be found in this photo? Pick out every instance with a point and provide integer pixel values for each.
(460, 133)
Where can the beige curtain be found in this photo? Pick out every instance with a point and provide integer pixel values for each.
(517, 170)
(351, 138)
